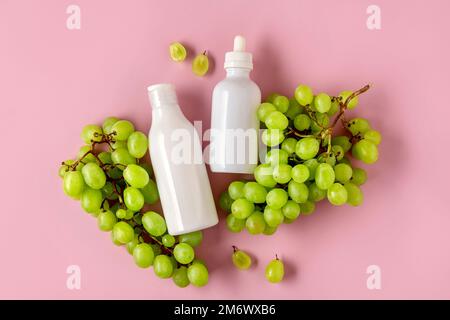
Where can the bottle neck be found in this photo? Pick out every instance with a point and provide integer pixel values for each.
(238, 72)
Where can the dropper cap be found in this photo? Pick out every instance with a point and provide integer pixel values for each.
(162, 94)
(238, 58)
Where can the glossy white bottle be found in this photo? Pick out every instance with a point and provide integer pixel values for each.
(176, 156)
(234, 124)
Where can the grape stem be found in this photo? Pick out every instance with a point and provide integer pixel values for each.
(344, 105)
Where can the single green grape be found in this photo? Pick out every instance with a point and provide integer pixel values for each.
(273, 217)
(241, 259)
(198, 274)
(108, 123)
(298, 191)
(255, 223)
(302, 122)
(162, 266)
(122, 129)
(254, 192)
(304, 95)
(281, 103)
(264, 175)
(282, 173)
(183, 253)
(334, 108)
(234, 224)
(106, 220)
(275, 271)
(73, 183)
(291, 210)
(354, 194)
(277, 120)
(324, 176)
(180, 277)
(288, 145)
(307, 208)
(264, 110)
(121, 213)
(200, 65)
(123, 232)
(150, 192)
(352, 103)
(315, 193)
(343, 172)
(300, 173)
(276, 198)
(154, 224)
(277, 156)
(177, 52)
(136, 176)
(193, 239)
(272, 137)
(143, 255)
(373, 136)
(359, 176)
(122, 156)
(307, 148)
(91, 200)
(225, 201)
(366, 151)
(242, 208)
(337, 194)
(91, 132)
(358, 126)
(133, 198)
(236, 190)
(137, 144)
(322, 102)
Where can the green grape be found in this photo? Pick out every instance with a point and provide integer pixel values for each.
(334, 108)
(338, 152)
(272, 137)
(373, 136)
(200, 65)
(116, 144)
(198, 274)
(315, 193)
(121, 213)
(143, 255)
(123, 129)
(322, 102)
(137, 144)
(193, 239)
(93, 175)
(135, 176)
(87, 157)
(354, 194)
(352, 103)
(129, 215)
(282, 173)
(322, 122)
(327, 158)
(337, 194)
(307, 148)
(147, 168)
(242, 208)
(234, 224)
(123, 232)
(312, 165)
(343, 172)
(150, 192)
(225, 201)
(268, 231)
(273, 217)
(156, 249)
(291, 210)
(324, 176)
(73, 183)
(294, 109)
(264, 110)
(277, 120)
(133, 198)
(241, 259)
(281, 103)
(271, 97)
(122, 156)
(255, 223)
(91, 200)
(342, 141)
(236, 190)
(132, 244)
(183, 253)
(307, 208)
(277, 156)
(359, 176)
(105, 157)
(263, 175)
(254, 192)
(365, 151)
(275, 271)
(180, 277)
(114, 240)
(177, 52)
(298, 191)
(90, 133)
(106, 220)
(162, 266)
(304, 95)
(300, 173)
(154, 223)
(276, 198)
(108, 123)
(358, 125)
(302, 122)
(288, 145)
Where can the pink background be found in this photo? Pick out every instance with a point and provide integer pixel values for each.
(53, 81)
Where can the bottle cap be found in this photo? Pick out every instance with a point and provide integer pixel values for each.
(162, 94)
(238, 58)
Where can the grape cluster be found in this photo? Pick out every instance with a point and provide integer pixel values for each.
(114, 186)
(305, 163)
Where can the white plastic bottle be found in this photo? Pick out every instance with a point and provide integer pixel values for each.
(234, 124)
(180, 172)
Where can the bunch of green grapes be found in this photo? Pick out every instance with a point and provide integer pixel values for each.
(306, 162)
(114, 186)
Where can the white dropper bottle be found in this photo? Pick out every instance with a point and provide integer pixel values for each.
(176, 156)
(234, 123)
